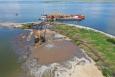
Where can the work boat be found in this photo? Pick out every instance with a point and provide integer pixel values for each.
(63, 17)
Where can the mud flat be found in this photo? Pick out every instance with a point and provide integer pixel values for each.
(56, 58)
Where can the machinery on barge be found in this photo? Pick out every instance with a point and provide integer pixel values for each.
(62, 17)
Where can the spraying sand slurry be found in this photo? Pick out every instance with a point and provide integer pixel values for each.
(56, 58)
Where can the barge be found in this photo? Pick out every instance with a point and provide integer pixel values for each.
(76, 17)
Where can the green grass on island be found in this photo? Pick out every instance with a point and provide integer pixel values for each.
(98, 46)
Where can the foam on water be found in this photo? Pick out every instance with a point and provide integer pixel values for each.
(49, 45)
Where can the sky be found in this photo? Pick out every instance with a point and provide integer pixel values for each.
(66, 0)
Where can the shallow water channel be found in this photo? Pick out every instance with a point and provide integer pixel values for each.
(9, 66)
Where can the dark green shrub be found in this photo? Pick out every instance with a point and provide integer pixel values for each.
(106, 71)
(112, 40)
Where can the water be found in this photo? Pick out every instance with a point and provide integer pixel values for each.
(99, 15)
(8, 61)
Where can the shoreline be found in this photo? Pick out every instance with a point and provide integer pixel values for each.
(95, 43)
(95, 30)
(17, 25)
(13, 24)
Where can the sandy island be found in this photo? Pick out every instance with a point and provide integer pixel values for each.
(58, 57)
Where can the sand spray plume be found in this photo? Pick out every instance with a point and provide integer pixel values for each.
(64, 69)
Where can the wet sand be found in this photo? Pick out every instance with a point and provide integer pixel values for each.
(56, 51)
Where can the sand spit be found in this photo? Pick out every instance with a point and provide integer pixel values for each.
(75, 66)
(10, 25)
(13, 25)
(17, 25)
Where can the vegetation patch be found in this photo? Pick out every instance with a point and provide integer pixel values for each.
(112, 40)
(98, 46)
(26, 26)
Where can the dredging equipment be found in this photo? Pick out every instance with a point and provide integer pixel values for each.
(62, 17)
(39, 33)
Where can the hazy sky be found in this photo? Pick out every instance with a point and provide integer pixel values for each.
(66, 0)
